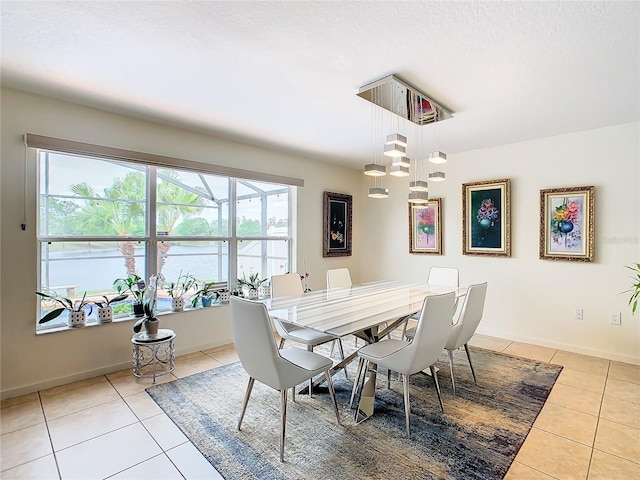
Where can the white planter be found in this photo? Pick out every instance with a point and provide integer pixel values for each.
(177, 304)
(77, 319)
(105, 314)
(265, 291)
(224, 296)
(251, 293)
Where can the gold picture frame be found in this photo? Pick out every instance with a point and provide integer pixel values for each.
(486, 218)
(567, 224)
(425, 227)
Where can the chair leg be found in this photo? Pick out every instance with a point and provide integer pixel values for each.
(282, 340)
(283, 420)
(407, 403)
(246, 400)
(435, 381)
(453, 382)
(332, 391)
(473, 373)
(355, 381)
(310, 349)
(293, 394)
(333, 346)
(388, 379)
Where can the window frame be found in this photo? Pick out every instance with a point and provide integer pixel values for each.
(151, 237)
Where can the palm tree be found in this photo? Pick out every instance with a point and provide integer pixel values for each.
(120, 212)
(175, 201)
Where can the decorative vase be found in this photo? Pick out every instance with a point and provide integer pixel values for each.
(77, 319)
(105, 314)
(206, 301)
(138, 310)
(224, 296)
(253, 294)
(177, 304)
(265, 291)
(151, 326)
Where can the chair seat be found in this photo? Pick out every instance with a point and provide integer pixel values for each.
(379, 350)
(308, 336)
(310, 361)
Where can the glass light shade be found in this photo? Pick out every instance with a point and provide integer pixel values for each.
(402, 161)
(418, 197)
(436, 177)
(398, 171)
(375, 170)
(378, 192)
(438, 157)
(394, 150)
(396, 139)
(419, 186)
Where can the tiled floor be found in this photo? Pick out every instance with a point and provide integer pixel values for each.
(108, 427)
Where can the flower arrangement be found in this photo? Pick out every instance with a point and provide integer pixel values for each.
(303, 279)
(488, 214)
(565, 216)
(426, 221)
(253, 282)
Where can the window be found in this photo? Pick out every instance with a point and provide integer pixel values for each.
(102, 219)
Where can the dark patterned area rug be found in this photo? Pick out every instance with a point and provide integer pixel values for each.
(477, 437)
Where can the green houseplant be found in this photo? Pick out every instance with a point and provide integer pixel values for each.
(251, 285)
(132, 285)
(635, 288)
(206, 293)
(105, 309)
(178, 289)
(149, 320)
(76, 309)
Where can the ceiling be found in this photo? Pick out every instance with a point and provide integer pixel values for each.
(285, 74)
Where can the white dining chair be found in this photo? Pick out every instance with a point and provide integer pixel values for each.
(440, 276)
(412, 357)
(279, 369)
(338, 278)
(468, 321)
(290, 285)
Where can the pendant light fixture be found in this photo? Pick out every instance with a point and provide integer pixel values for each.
(376, 169)
(438, 157)
(436, 177)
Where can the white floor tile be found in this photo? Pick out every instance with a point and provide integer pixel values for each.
(156, 468)
(192, 464)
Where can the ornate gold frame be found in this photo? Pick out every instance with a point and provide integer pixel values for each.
(413, 233)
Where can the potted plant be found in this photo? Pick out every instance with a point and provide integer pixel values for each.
(635, 288)
(149, 320)
(75, 309)
(135, 286)
(204, 293)
(251, 285)
(178, 289)
(105, 310)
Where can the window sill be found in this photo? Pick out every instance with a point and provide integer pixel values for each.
(92, 322)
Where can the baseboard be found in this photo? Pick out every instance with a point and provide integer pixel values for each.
(76, 377)
(560, 346)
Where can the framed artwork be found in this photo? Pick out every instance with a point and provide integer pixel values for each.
(337, 225)
(566, 223)
(486, 218)
(425, 227)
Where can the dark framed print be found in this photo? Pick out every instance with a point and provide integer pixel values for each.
(566, 223)
(486, 218)
(425, 227)
(337, 225)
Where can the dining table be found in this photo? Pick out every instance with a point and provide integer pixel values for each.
(369, 310)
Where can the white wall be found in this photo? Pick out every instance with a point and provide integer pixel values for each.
(529, 299)
(30, 361)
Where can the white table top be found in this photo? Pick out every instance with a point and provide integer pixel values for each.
(348, 310)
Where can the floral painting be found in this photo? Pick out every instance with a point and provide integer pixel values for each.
(566, 229)
(486, 218)
(425, 229)
(337, 224)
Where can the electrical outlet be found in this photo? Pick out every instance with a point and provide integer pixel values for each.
(578, 314)
(616, 318)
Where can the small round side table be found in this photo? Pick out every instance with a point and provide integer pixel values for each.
(153, 355)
